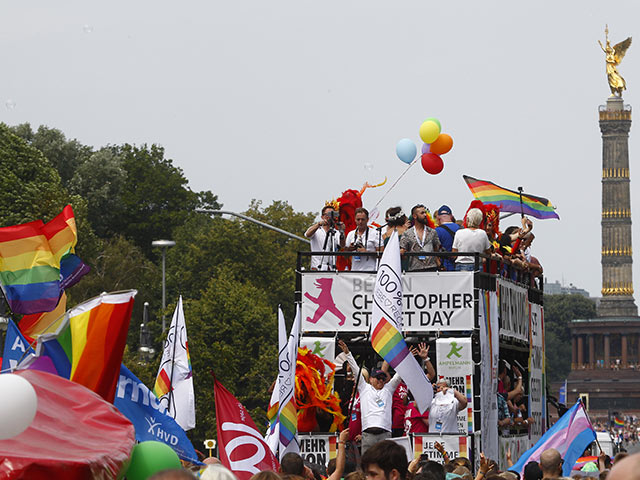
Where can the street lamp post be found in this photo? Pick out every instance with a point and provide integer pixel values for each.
(164, 244)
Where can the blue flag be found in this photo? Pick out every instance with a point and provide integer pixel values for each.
(142, 408)
(562, 394)
(16, 347)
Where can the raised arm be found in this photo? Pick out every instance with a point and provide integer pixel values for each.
(341, 457)
(423, 352)
(312, 229)
(352, 363)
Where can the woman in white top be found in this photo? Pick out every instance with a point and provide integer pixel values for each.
(472, 240)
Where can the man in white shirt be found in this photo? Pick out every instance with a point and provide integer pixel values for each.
(326, 235)
(376, 398)
(363, 239)
(446, 404)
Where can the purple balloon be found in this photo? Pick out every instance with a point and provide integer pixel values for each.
(426, 148)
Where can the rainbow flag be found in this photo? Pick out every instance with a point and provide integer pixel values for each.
(509, 200)
(386, 326)
(389, 343)
(87, 347)
(30, 256)
(37, 324)
(617, 422)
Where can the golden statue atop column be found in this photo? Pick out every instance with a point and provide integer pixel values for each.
(614, 56)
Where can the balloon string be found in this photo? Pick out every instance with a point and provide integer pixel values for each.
(395, 183)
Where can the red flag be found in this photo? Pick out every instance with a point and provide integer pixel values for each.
(241, 446)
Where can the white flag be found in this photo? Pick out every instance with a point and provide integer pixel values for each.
(272, 437)
(386, 326)
(174, 383)
(287, 413)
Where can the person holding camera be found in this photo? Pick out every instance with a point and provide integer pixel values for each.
(323, 235)
(363, 239)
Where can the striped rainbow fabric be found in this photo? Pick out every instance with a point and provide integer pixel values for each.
(36, 324)
(288, 423)
(30, 256)
(163, 384)
(618, 422)
(389, 343)
(87, 348)
(509, 200)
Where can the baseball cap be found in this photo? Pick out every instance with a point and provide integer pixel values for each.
(377, 373)
(444, 210)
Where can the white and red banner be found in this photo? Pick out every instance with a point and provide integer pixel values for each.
(431, 301)
(455, 446)
(241, 446)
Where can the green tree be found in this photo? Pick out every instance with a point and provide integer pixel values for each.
(156, 197)
(66, 156)
(263, 257)
(101, 180)
(559, 311)
(120, 265)
(31, 187)
(232, 332)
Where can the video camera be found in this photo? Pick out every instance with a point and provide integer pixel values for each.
(334, 217)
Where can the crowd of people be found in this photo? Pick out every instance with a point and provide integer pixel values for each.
(387, 460)
(428, 243)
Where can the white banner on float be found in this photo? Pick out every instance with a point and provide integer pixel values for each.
(455, 363)
(489, 356)
(537, 390)
(455, 446)
(324, 347)
(318, 448)
(514, 310)
(431, 301)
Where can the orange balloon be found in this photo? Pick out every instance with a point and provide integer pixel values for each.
(442, 144)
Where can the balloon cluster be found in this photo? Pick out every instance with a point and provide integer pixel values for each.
(435, 144)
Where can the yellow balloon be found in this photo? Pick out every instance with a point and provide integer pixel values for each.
(429, 131)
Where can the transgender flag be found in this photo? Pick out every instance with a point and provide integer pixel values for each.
(386, 326)
(570, 435)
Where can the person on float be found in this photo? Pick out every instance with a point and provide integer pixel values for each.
(421, 238)
(322, 235)
(363, 239)
(446, 230)
(446, 404)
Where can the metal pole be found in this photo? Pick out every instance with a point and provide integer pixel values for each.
(164, 305)
(163, 244)
(258, 222)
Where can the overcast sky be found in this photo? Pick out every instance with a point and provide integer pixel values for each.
(299, 100)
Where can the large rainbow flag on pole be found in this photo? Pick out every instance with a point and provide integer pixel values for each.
(509, 200)
(30, 256)
(386, 326)
(287, 411)
(88, 345)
